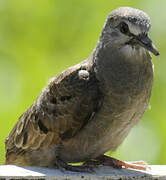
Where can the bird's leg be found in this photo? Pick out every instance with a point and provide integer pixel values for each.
(139, 162)
(115, 163)
(109, 161)
(104, 160)
(82, 168)
(89, 165)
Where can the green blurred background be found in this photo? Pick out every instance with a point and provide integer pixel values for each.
(39, 39)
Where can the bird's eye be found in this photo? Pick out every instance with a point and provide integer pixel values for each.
(124, 28)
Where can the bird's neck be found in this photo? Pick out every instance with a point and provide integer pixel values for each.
(117, 68)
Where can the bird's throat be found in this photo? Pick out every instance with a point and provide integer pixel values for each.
(121, 69)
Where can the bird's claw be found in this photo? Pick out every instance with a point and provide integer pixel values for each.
(117, 164)
(104, 160)
(82, 168)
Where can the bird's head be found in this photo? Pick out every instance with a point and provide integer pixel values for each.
(128, 27)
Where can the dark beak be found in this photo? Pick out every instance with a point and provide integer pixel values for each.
(146, 42)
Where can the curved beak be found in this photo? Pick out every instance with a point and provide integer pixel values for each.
(146, 42)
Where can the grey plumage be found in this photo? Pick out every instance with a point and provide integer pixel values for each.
(90, 108)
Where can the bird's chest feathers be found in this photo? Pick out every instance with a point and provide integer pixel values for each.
(126, 74)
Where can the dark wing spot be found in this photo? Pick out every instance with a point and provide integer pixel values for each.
(64, 98)
(42, 127)
(53, 100)
(36, 117)
(67, 134)
(25, 138)
(54, 112)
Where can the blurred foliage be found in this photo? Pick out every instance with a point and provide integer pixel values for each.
(39, 39)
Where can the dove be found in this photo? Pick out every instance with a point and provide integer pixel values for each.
(90, 108)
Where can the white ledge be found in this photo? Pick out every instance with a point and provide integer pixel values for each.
(11, 172)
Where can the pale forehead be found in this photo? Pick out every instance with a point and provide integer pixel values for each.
(137, 20)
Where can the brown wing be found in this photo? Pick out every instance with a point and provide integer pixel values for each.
(61, 110)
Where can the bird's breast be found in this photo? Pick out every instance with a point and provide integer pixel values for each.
(124, 74)
(126, 89)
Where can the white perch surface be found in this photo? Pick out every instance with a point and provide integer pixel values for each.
(11, 172)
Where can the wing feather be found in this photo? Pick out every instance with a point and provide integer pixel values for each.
(61, 110)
